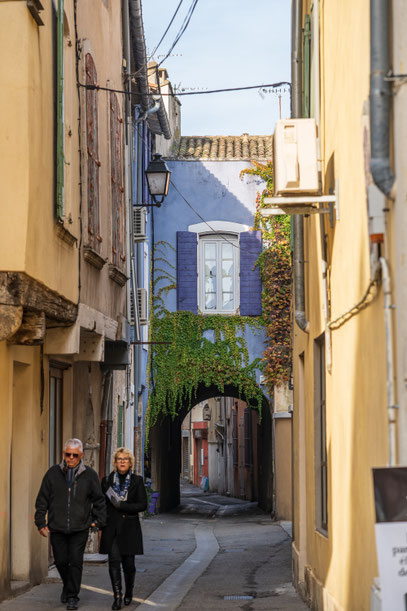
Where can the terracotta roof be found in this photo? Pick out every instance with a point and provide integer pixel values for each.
(224, 148)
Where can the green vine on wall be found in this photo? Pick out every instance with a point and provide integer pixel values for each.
(275, 269)
(190, 349)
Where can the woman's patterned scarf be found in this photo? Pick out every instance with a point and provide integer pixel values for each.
(121, 490)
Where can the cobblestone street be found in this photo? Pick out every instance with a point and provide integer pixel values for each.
(238, 559)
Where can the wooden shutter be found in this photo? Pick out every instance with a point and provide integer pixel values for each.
(117, 189)
(250, 281)
(187, 271)
(94, 238)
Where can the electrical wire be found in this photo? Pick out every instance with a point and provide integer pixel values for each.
(184, 26)
(271, 85)
(165, 33)
(368, 297)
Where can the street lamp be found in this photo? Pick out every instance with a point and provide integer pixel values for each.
(158, 179)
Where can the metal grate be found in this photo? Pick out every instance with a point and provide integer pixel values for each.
(233, 597)
(142, 306)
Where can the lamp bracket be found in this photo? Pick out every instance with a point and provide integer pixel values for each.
(147, 205)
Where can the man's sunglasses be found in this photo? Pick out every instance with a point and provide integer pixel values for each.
(69, 454)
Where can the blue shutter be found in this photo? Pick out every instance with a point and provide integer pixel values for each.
(250, 281)
(187, 271)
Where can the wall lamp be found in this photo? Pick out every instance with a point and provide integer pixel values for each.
(158, 180)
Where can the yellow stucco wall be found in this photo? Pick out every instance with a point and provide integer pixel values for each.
(28, 236)
(342, 564)
(283, 468)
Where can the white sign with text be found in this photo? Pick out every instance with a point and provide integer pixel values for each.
(391, 544)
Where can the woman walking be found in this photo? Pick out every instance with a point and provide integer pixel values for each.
(121, 537)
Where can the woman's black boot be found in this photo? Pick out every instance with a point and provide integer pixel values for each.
(129, 581)
(116, 579)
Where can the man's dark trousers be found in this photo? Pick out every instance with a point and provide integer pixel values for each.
(68, 552)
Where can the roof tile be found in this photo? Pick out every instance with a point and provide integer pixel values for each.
(224, 148)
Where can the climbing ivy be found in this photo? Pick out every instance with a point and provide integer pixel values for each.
(189, 349)
(275, 269)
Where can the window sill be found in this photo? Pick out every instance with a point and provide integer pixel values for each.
(322, 532)
(66, 235)
(218, 313)
(93, 258)
(117, 275)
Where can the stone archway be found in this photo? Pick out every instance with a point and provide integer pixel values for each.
(165, 447)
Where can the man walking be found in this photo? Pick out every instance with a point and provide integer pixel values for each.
(71, 495)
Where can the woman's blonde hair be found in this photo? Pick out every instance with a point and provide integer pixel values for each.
(127, 453)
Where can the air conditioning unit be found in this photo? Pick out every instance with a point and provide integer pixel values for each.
(295, 157)
(132, 311)
(139, 223)
(142, 306)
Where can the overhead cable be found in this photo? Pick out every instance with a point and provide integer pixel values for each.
(272, 85)
(168, 27)
(181, 30)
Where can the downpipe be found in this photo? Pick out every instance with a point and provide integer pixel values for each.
(298, 222)
(391, 395)
(380, 97)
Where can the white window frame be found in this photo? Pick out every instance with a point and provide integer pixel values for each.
(218, 239)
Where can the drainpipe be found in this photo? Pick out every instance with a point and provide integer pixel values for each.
(317, 115)
(139, 51)
(391, 403)
(60, 113)
(382, 175)
(298, 222)
(380, 97)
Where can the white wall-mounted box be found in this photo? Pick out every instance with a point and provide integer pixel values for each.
(295, 157)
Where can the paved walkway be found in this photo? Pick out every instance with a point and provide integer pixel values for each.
(193, 561)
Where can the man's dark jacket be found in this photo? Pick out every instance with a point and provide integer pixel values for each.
(123, 522)
(70, 509)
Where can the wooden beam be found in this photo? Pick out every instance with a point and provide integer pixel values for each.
(31, 331)
(10, 320)
(19, 289)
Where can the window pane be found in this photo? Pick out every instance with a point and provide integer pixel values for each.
(210, 269)
(210, 251)
(210, 301)
(227, 268)
(210, 284)
(227, 301)
(227, 251)
(227, 284)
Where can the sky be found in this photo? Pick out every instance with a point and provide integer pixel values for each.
(228, 43)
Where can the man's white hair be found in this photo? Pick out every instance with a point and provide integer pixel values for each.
(73, 443)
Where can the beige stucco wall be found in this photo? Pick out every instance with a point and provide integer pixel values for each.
(340, 565)
(100, 32)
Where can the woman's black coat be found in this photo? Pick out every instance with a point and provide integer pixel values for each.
(123, 522)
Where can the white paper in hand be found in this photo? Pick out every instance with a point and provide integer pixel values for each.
(113, 496)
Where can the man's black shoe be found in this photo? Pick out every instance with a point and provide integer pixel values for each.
(64, 597)
(72, 603)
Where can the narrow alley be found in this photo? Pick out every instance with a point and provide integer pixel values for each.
(215, 551)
